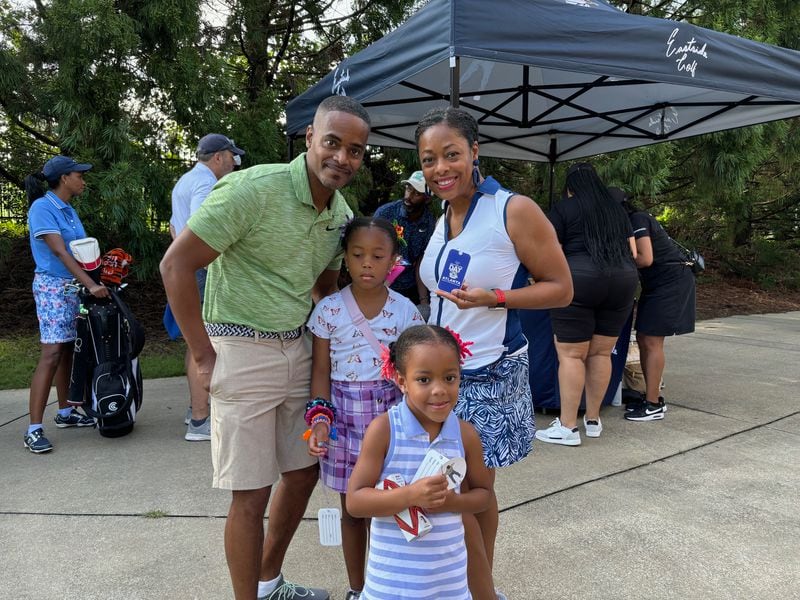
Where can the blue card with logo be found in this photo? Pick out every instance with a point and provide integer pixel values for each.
(455, 268)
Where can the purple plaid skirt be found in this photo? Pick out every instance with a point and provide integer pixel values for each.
(357, 403)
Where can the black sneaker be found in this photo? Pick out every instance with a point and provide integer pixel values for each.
(638, 404)
(36, 442)
(73, 419)
(648, 412)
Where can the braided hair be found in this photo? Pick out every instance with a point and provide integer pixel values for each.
(420, 334)
(606, 227)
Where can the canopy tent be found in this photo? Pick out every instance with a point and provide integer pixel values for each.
(553, 80)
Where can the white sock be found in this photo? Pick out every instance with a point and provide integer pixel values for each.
(65, 412)
(267, 587)
(33, 427)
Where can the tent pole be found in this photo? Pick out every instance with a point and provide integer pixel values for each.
(289, 147)
(552, 156)
(455, 77)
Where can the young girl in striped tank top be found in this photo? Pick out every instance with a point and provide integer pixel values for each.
(434, 567)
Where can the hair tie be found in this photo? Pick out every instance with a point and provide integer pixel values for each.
(463, 347)
(399, 230)
(388, 370)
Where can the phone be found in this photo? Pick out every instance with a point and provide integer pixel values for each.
(455, 268)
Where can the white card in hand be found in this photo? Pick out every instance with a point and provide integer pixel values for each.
(436, 463)
(330, 527)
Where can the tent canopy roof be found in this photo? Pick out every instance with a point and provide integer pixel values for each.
(552, 80)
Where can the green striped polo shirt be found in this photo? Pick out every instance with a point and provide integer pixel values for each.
(273, 245)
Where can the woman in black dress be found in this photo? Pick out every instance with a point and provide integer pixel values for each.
(666, 303)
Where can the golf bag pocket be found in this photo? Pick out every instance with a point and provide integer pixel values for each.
(116, 396)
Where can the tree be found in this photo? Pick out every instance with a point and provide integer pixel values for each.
(130, 85)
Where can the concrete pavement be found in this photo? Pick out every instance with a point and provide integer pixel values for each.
(704, 504)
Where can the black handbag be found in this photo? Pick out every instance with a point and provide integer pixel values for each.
(694, 260)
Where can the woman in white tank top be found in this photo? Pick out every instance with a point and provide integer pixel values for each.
(497, 240)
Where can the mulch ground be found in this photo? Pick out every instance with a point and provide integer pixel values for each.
(18, 311)
(716, 297)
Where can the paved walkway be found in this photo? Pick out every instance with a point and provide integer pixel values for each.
(701, 505)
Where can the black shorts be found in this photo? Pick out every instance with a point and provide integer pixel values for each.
(601, 304)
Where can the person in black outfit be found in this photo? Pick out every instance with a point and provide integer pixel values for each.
(597, 238)
(666, 303)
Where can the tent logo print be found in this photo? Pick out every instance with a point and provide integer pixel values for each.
(339, 79)
(586, 3)
(664, 121)
(682, 52)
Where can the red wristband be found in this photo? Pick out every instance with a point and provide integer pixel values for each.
(501, 298)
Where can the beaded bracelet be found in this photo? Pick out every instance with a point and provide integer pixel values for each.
(313, 407)
(320, 410)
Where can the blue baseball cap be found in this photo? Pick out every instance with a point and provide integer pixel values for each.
(62, 165)
(216, 142)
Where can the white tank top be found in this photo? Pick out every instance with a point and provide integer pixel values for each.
(493, 264)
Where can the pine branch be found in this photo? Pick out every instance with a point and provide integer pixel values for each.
(27, 128)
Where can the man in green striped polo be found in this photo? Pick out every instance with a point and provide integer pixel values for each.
(270, 236)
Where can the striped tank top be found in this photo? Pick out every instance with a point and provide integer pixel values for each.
(435, 566)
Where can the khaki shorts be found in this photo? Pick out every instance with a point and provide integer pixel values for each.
(259, 391)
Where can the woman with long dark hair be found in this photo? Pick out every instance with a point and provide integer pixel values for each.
(598, 241)
(53, 223)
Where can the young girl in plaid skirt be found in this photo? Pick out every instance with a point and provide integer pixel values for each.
(346, 367)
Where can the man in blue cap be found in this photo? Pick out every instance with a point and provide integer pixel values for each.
(217, 155)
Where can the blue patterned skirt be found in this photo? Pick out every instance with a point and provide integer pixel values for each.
(496, 399)
(56, 308)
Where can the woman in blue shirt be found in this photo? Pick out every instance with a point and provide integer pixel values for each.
(53, 224)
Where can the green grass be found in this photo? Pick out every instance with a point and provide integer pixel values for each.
(19, 355)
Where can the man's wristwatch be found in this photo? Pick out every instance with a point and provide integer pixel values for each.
(501, 300)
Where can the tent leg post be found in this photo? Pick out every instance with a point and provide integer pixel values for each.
(552, 160)
(455, 80)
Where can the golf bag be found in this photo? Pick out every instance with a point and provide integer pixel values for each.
(106, 379)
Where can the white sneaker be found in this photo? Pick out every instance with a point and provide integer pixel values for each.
(593, 428)
(558, 434)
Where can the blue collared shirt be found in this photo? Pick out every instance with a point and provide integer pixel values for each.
(451, 428)
(189, 193)
(50, 214)
(415, 233)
